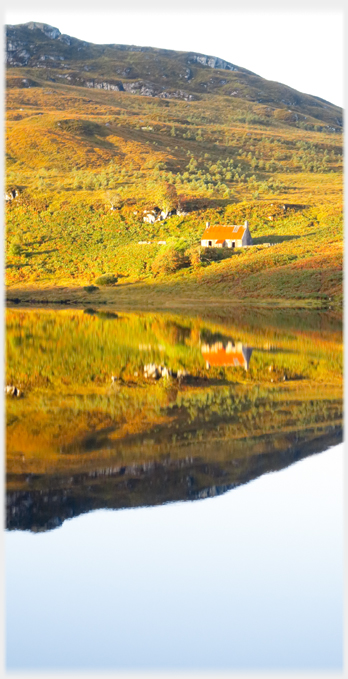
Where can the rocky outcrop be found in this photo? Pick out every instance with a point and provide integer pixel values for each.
(65, 38)
(212, 62)
(124, 72)
(187, 74)
(144, 88)
(51, 57)
(103, 85)
(17, 55)
(19, 51)
(48, 30)
(178, 94)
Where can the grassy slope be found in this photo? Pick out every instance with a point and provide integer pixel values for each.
(67, 146)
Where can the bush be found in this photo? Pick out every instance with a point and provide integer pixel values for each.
(16, 249)
(169, 261)
(90, 288)
(194, 254)
(107, 279)
(208, 255)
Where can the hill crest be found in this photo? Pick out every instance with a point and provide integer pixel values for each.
(43, 51)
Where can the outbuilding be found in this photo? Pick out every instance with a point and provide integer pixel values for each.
(226, 236)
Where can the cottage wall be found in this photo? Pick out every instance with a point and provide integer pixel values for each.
(221, 242)
(247, 239)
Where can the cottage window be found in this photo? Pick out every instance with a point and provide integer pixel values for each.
(233, 243)
(210, 243)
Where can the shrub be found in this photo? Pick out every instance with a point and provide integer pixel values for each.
(169, 261)
(194, 254)
(16, 249)
(107, 279)
(90, 288)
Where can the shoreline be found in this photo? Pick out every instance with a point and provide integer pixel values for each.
(143, 297)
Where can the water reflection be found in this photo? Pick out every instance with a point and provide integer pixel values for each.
(125, 410)
(217, 354)
(47, 502)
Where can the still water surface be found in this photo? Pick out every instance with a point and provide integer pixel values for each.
(226, 471)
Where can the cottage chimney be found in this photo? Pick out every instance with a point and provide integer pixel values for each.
(207, 224)
(246, 223)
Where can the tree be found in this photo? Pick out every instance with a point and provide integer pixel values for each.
(165, 196)
(114, 199)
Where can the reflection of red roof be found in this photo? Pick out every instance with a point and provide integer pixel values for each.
(218, 355)
(220, 232)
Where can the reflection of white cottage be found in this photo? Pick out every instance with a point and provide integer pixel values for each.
(11, 195)
(218, 236)
(233, 355)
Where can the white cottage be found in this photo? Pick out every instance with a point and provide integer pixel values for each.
(226, 236)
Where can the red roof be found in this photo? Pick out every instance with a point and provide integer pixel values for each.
(224, 232)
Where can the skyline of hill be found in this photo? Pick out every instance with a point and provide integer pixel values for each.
(141, 70)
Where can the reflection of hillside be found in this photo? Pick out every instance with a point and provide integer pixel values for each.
(78, 440)
(234, 355)
(44, 502)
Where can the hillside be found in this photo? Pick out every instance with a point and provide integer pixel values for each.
(97, 133)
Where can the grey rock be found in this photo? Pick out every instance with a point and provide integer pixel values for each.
(65, 38)
(104, 85)
(48, 30)
(212, 62)
(124, 72)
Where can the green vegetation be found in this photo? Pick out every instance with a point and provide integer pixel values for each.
(88, 162)
(105, 279)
